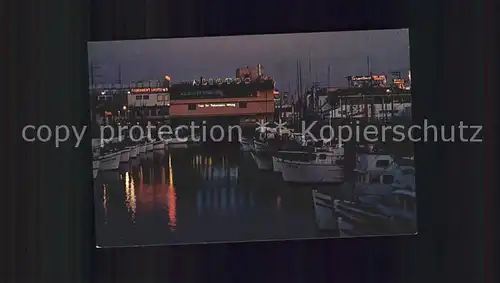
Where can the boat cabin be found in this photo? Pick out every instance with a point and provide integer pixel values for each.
(319, 156)
(398, 177)
(374, 163)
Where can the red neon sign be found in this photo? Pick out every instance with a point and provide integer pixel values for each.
(148, 90)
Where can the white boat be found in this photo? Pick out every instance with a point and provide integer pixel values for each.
(311, 173)
(134, 151)
(95, 167)
(319, 166)
(383, 182)
(110, 161)
(323, 210)
(149, 146)
(394, 212)
(380, 197)
(158, 145)
(142, 148)
(125, 155)
(374, 164)
(263, 161)
(390, 209)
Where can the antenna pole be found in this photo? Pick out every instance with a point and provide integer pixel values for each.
(119, 74)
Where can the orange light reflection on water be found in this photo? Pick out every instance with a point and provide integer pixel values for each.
(130, 198)
(171, 197)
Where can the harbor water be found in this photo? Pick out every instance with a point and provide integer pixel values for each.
(198, 195)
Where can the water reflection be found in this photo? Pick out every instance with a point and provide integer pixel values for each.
(130, 201)
(192, 196)
(105, 199)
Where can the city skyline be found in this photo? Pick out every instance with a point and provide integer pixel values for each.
(344, 53)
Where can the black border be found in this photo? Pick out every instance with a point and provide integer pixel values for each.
(50, 229)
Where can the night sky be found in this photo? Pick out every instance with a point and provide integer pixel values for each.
(192, 58)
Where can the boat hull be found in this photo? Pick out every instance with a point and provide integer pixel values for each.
(323, 209)
(277, 164)
(134, 151)
(159, 145)
(263, 163)
(142, 148)
(311, 173)
(110, 161)
(362, 219)
(125, 155)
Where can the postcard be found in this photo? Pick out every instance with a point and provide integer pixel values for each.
(252, 138)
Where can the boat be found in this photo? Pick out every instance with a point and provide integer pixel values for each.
(379, 214)
(110, 160)
(371, 212)
(260, 145)
(373, 164)
(134, 151)
(142, 148)
(319, 166)
(95, 167)
(270, 141)
(149, 146)
(246, 144)
(125, 155)
(281, 153)
(389, 195)
(158, 145)
(263, 160)
(323, 210)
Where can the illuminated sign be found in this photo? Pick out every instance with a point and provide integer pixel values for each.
(378, 78)
(398, 81)
(202, 93)
(167, 78)
(213, 105)
(368, 78)
(219, 81)
(107, 113)
(361, 78)
(149, 90)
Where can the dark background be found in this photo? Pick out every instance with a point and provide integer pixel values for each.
(48, 197)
